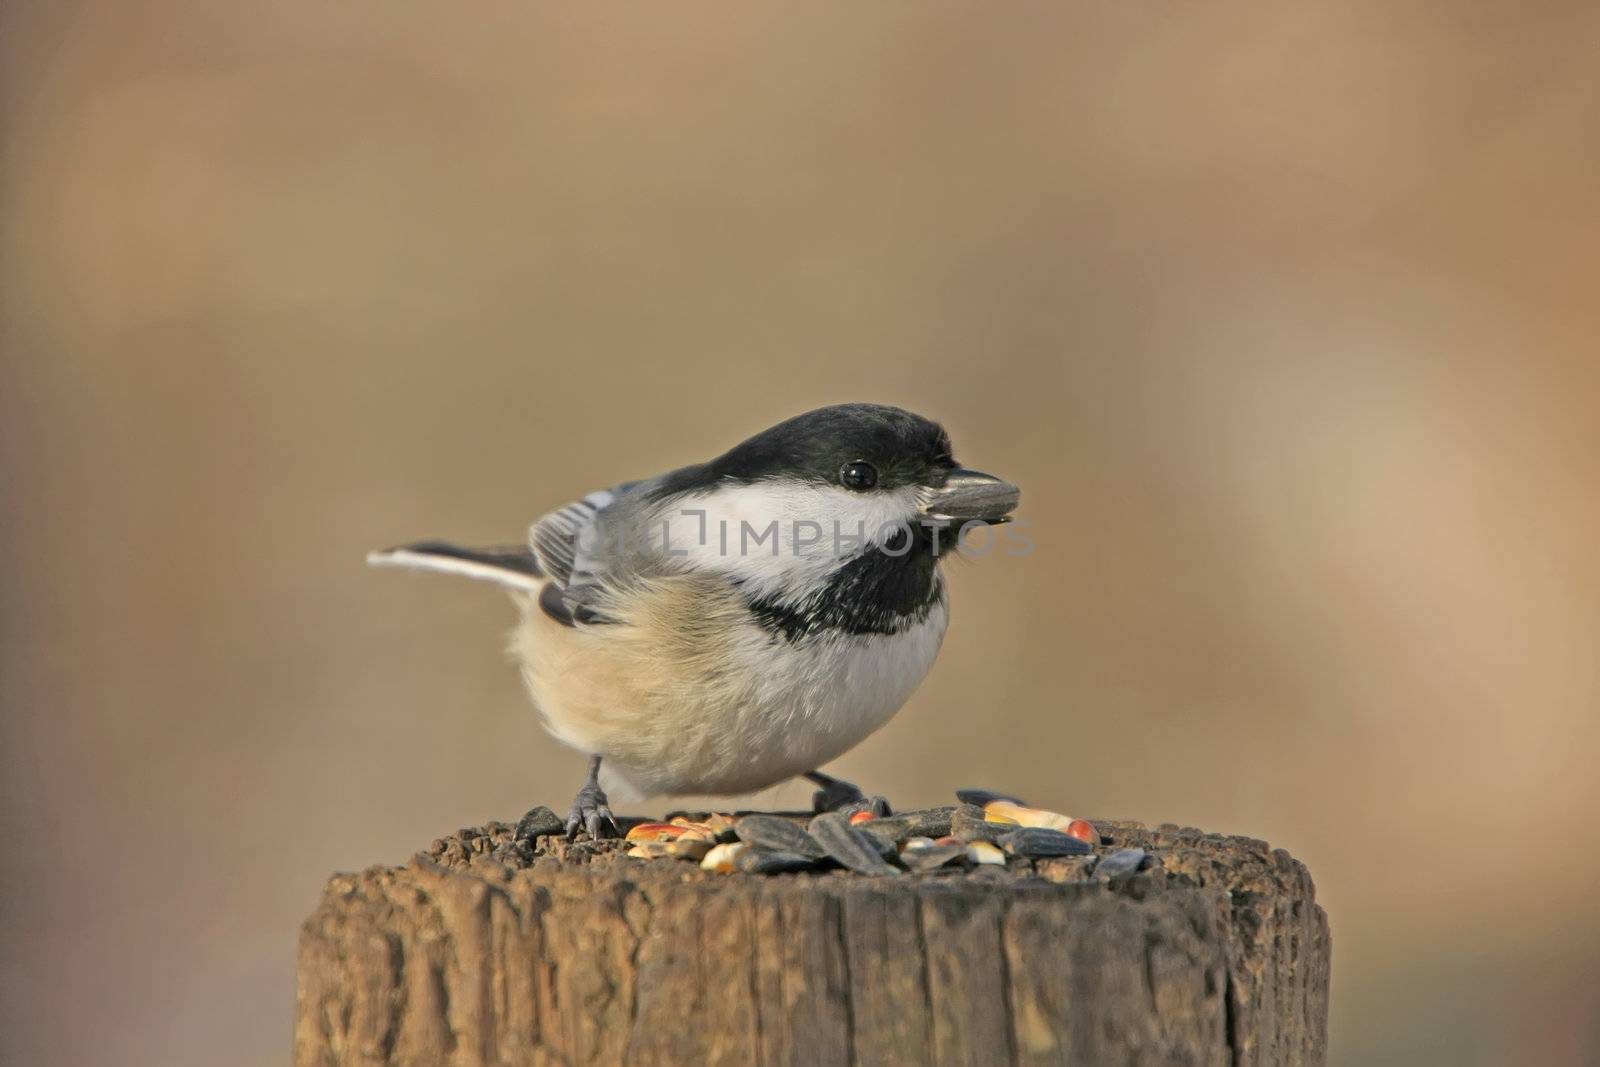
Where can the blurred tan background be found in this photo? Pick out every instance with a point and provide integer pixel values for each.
(1285, 317)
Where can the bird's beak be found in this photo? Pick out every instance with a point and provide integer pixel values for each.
(971, 496)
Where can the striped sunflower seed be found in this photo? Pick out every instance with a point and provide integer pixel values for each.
(777, 834)
(849, 846)
(970, 824)
(765, 861)
(1039, 841)
(984, 797)
(1121, 862)
(932, 857)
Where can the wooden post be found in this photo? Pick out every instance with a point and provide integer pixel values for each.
(484, 952)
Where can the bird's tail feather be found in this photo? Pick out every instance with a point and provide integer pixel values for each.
(514, 566)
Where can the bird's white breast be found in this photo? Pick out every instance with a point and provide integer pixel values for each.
(826, 695)
(726, 708)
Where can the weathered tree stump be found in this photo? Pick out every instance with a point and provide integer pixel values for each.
(484, 951)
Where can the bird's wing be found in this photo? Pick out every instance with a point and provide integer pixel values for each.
(559, 538)
(565, 563)
(600, 549)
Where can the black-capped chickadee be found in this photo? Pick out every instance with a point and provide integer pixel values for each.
(725, 626)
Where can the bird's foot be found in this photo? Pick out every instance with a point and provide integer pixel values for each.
(591, 812)
(837, 794)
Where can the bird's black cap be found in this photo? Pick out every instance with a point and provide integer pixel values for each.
(904, 447)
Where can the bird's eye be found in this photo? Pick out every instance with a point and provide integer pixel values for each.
(858, 475)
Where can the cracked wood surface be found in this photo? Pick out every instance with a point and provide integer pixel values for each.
(481, 952)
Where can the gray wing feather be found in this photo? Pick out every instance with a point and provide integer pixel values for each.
(557, 538)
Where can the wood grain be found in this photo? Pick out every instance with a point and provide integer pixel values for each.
(482, 952)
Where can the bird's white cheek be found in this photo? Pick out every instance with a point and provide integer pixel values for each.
(778, 532)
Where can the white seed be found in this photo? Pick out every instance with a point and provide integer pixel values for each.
(984, 852)
(1022, 815)
(721, 857)
(689, 848)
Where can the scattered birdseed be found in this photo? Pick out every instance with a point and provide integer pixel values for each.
(985, 852)
(1001, 808)
(933, 856)
(1039, 841)
(723, 858)
(874, 805)
(777, 834)
(849, 846)
(538, 823)
(993, 832)
(983, 797)
(655, 831)
(765, 861)
(1121, 862)
(885, 840)
(969, 824)
(928, 822)
(1023, 815)
(695, 829)
(887, 833)
(895, 827)
(690, 848)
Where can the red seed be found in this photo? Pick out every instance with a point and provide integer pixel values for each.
(1084, 830)
(860, 817)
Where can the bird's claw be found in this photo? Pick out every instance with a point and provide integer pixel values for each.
(845, 796)
(591, 812)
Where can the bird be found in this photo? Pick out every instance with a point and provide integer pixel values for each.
(735, 623)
